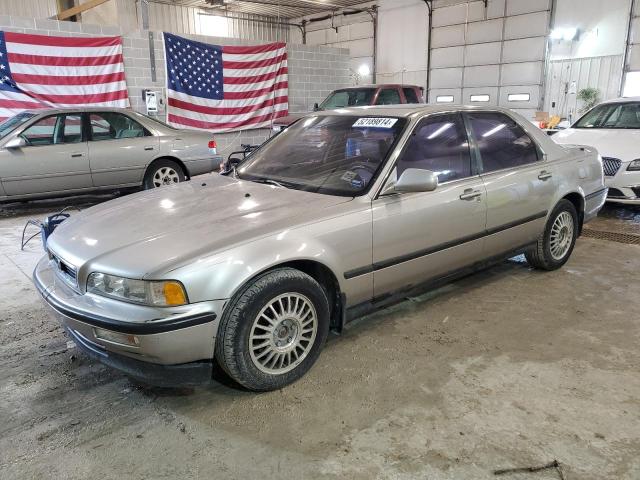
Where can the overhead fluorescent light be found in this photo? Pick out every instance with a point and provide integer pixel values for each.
(564, 33)
(519, 97)
(364, 70)
(444, 99)
(480, 98)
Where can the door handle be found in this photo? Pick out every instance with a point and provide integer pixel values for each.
(76, 155)
(544, 175)
(470, 194)
(148, 148)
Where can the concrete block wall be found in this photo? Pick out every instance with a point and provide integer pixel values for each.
(314, 71)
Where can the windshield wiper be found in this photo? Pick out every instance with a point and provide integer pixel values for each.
(269, 181)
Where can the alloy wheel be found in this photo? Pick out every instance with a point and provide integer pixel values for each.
(283, 333)
(165, 176)
(561, 235)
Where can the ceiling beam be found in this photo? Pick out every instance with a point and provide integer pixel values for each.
(308, 4)
(88, 5)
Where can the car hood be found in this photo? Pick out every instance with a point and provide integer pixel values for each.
(615, 143)
(151, 232)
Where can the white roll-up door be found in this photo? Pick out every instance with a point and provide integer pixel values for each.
(490, 56)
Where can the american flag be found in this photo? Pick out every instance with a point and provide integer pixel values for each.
(40, 71)
(225, 88)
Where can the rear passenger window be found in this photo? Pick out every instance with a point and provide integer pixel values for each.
(113, 125)
(501, 141)
(388, 96)
(438, 144)
(410, 95)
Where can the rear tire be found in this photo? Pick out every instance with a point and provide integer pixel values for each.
(273, 330)
(161, 173)
(555, 245)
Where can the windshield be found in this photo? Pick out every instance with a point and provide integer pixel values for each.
(334, 155)
(349, 98)
(612, 115)
(13, 122)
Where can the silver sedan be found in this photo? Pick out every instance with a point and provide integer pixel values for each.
(56, 152)
(342, 212)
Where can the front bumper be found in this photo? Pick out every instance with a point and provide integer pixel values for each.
(624, 186)
(173, 346)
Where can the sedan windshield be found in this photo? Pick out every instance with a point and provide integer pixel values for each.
(612, 115)
(13, 122)
(335, 155)
(351, 97)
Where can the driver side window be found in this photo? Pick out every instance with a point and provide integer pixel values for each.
(55, 130)
(439, 144)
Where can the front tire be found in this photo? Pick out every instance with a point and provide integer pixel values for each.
(161, 173)
(273, 330)
(555, 245)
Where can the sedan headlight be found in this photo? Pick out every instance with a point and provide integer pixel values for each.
(163, 293)
(634, 166)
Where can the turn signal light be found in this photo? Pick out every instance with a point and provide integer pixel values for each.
(174, 294)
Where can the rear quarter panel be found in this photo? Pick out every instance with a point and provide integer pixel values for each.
(192, 149)
(579, 170)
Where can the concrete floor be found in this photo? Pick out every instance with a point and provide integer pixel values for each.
(507, 368)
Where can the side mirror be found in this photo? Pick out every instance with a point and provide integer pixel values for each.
(16, 142)
(413, 180)
(316, 107)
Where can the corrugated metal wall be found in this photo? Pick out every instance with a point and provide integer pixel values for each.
(29, 8)
(181, 19)
(603, 73)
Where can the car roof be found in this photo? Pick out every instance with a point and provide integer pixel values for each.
(79, 108)
(405, 110)
(623, 99)
(378, 85)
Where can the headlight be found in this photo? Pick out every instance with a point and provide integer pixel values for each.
(163, 293)
(635, 165)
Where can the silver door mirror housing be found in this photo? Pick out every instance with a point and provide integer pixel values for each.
(16, 142)
(414, 180)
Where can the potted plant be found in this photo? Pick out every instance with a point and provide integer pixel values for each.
(589, 97)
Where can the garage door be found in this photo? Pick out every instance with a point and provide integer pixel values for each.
(490, 56)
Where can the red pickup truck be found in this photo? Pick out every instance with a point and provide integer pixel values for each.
(362, 95)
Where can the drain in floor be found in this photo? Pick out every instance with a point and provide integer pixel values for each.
(628, 238)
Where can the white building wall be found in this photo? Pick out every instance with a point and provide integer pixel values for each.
(402, 42)
(354, 32)
(29, 8)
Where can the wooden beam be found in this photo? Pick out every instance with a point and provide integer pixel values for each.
(88, 5)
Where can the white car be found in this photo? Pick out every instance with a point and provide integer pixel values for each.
(613, 128)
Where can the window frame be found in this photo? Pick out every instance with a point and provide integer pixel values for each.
(391, 89)
(413, 92)
(474, 166)
(59, 114)
(478, 155)
(89, 132)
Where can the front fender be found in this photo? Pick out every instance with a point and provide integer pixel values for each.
(339, 244)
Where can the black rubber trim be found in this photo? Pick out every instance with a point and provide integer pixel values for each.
(153, 326)
(387, 299)
(596, 194)
(437, 248)
(184, 374)
(356, 272)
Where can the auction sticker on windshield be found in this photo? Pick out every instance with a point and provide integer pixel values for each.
(371, 122)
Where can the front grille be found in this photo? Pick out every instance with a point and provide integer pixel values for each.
(64, 270)
(611, 166)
